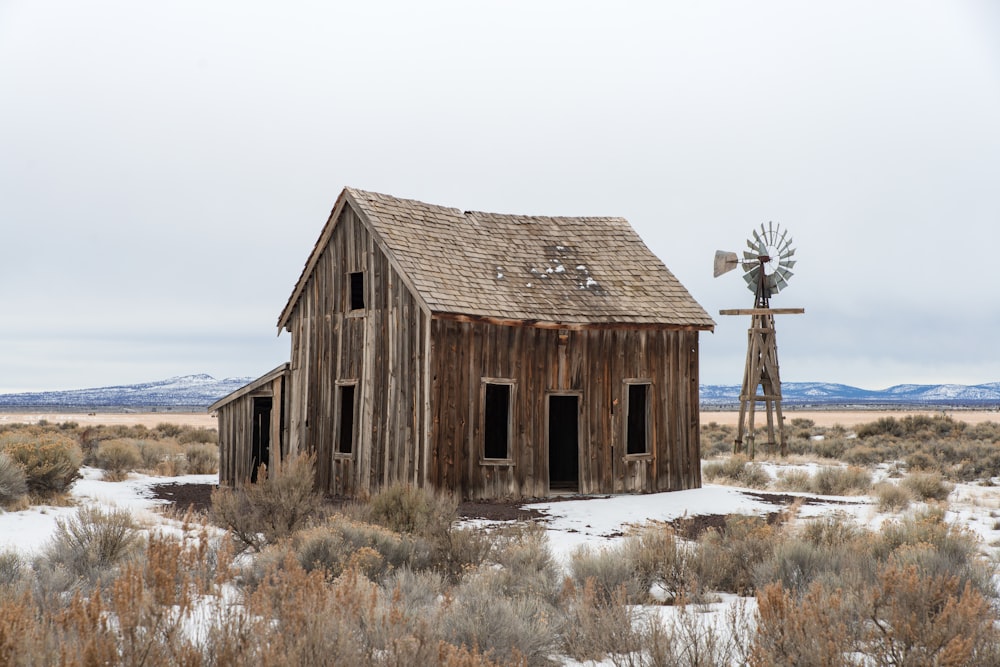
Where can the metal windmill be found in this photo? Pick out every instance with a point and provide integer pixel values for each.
(767, 266)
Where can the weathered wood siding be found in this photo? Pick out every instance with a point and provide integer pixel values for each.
(382, 348)
(235, 424)
(594, 364)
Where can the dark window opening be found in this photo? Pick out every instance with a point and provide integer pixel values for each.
(497, 422)
(638, 409)
(260, 446)
(345, 436)
(358, 291)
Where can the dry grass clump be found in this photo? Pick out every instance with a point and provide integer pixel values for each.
(50, 460)
(189, 435)
(736, 469)
(794, 479)
(118, 457)
(838, 481)
(716, 439)
(278, 504)
(891, 497)
(93, 542)
(202, 459)
(927, 485)
(13, 483)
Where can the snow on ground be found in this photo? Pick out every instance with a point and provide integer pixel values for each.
(29, 530)
(600, 521)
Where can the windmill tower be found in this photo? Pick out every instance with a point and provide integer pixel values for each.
(767, 266)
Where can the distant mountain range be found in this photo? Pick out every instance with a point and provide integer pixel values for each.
(197, 392)
(188, 392)
(825, 394)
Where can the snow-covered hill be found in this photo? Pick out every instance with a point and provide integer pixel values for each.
(828, 394)
(187, 391)
(199, 391)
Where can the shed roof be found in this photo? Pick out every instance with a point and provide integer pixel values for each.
(561, 270)
(250, 387)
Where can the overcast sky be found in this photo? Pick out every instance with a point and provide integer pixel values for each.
(166, 167)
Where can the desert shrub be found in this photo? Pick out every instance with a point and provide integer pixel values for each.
(12, 568)
(891, 497)
(690, 638)
(594, 627)
(608, 572)
(831, 530)
(794, 479)
(202, 459)
(278, 504)
(928, 541)
(837, 481)
(507, 628)
(928, 620)
(405, 508)
(168, 430)
(716, 439)
(190, 435)
(812, 630)
(927, 485)
(340, 544)
(50, 460)
(726, 558)
(118, 457)
(94, 541)
(737, 469)
(664, 561)
(13, 484)
(830, 448)
(863, 455)
(154, 452)
(883, 426)
(419, 590)
(921, 460)
(526, 566)
(797, 563)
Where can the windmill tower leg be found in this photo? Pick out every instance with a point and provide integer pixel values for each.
(761, 373)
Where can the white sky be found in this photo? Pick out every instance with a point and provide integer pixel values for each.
(165, 167)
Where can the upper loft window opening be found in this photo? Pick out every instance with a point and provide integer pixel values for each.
(357, 290)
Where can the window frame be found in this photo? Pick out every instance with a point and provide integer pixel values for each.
(481, 444)
(338, 452)
(627, 385)
(350, 309)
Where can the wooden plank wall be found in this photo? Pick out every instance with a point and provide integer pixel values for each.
(235, 424)
(593, 363)
(383, 349)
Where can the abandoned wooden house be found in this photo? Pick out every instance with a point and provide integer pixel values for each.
(494, 355)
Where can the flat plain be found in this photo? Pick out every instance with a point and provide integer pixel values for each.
(824, 418)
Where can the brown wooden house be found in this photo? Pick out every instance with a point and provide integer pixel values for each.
(495, 355)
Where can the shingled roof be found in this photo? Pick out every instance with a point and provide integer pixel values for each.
(562, 270)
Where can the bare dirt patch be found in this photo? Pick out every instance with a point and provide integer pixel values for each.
(198, 497)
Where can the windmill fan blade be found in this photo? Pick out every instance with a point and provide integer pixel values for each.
(750, 256)
(787, 263)
(778, 282)
(724, 262)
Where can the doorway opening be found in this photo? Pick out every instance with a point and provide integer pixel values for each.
(564, 443)
(260, 450)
